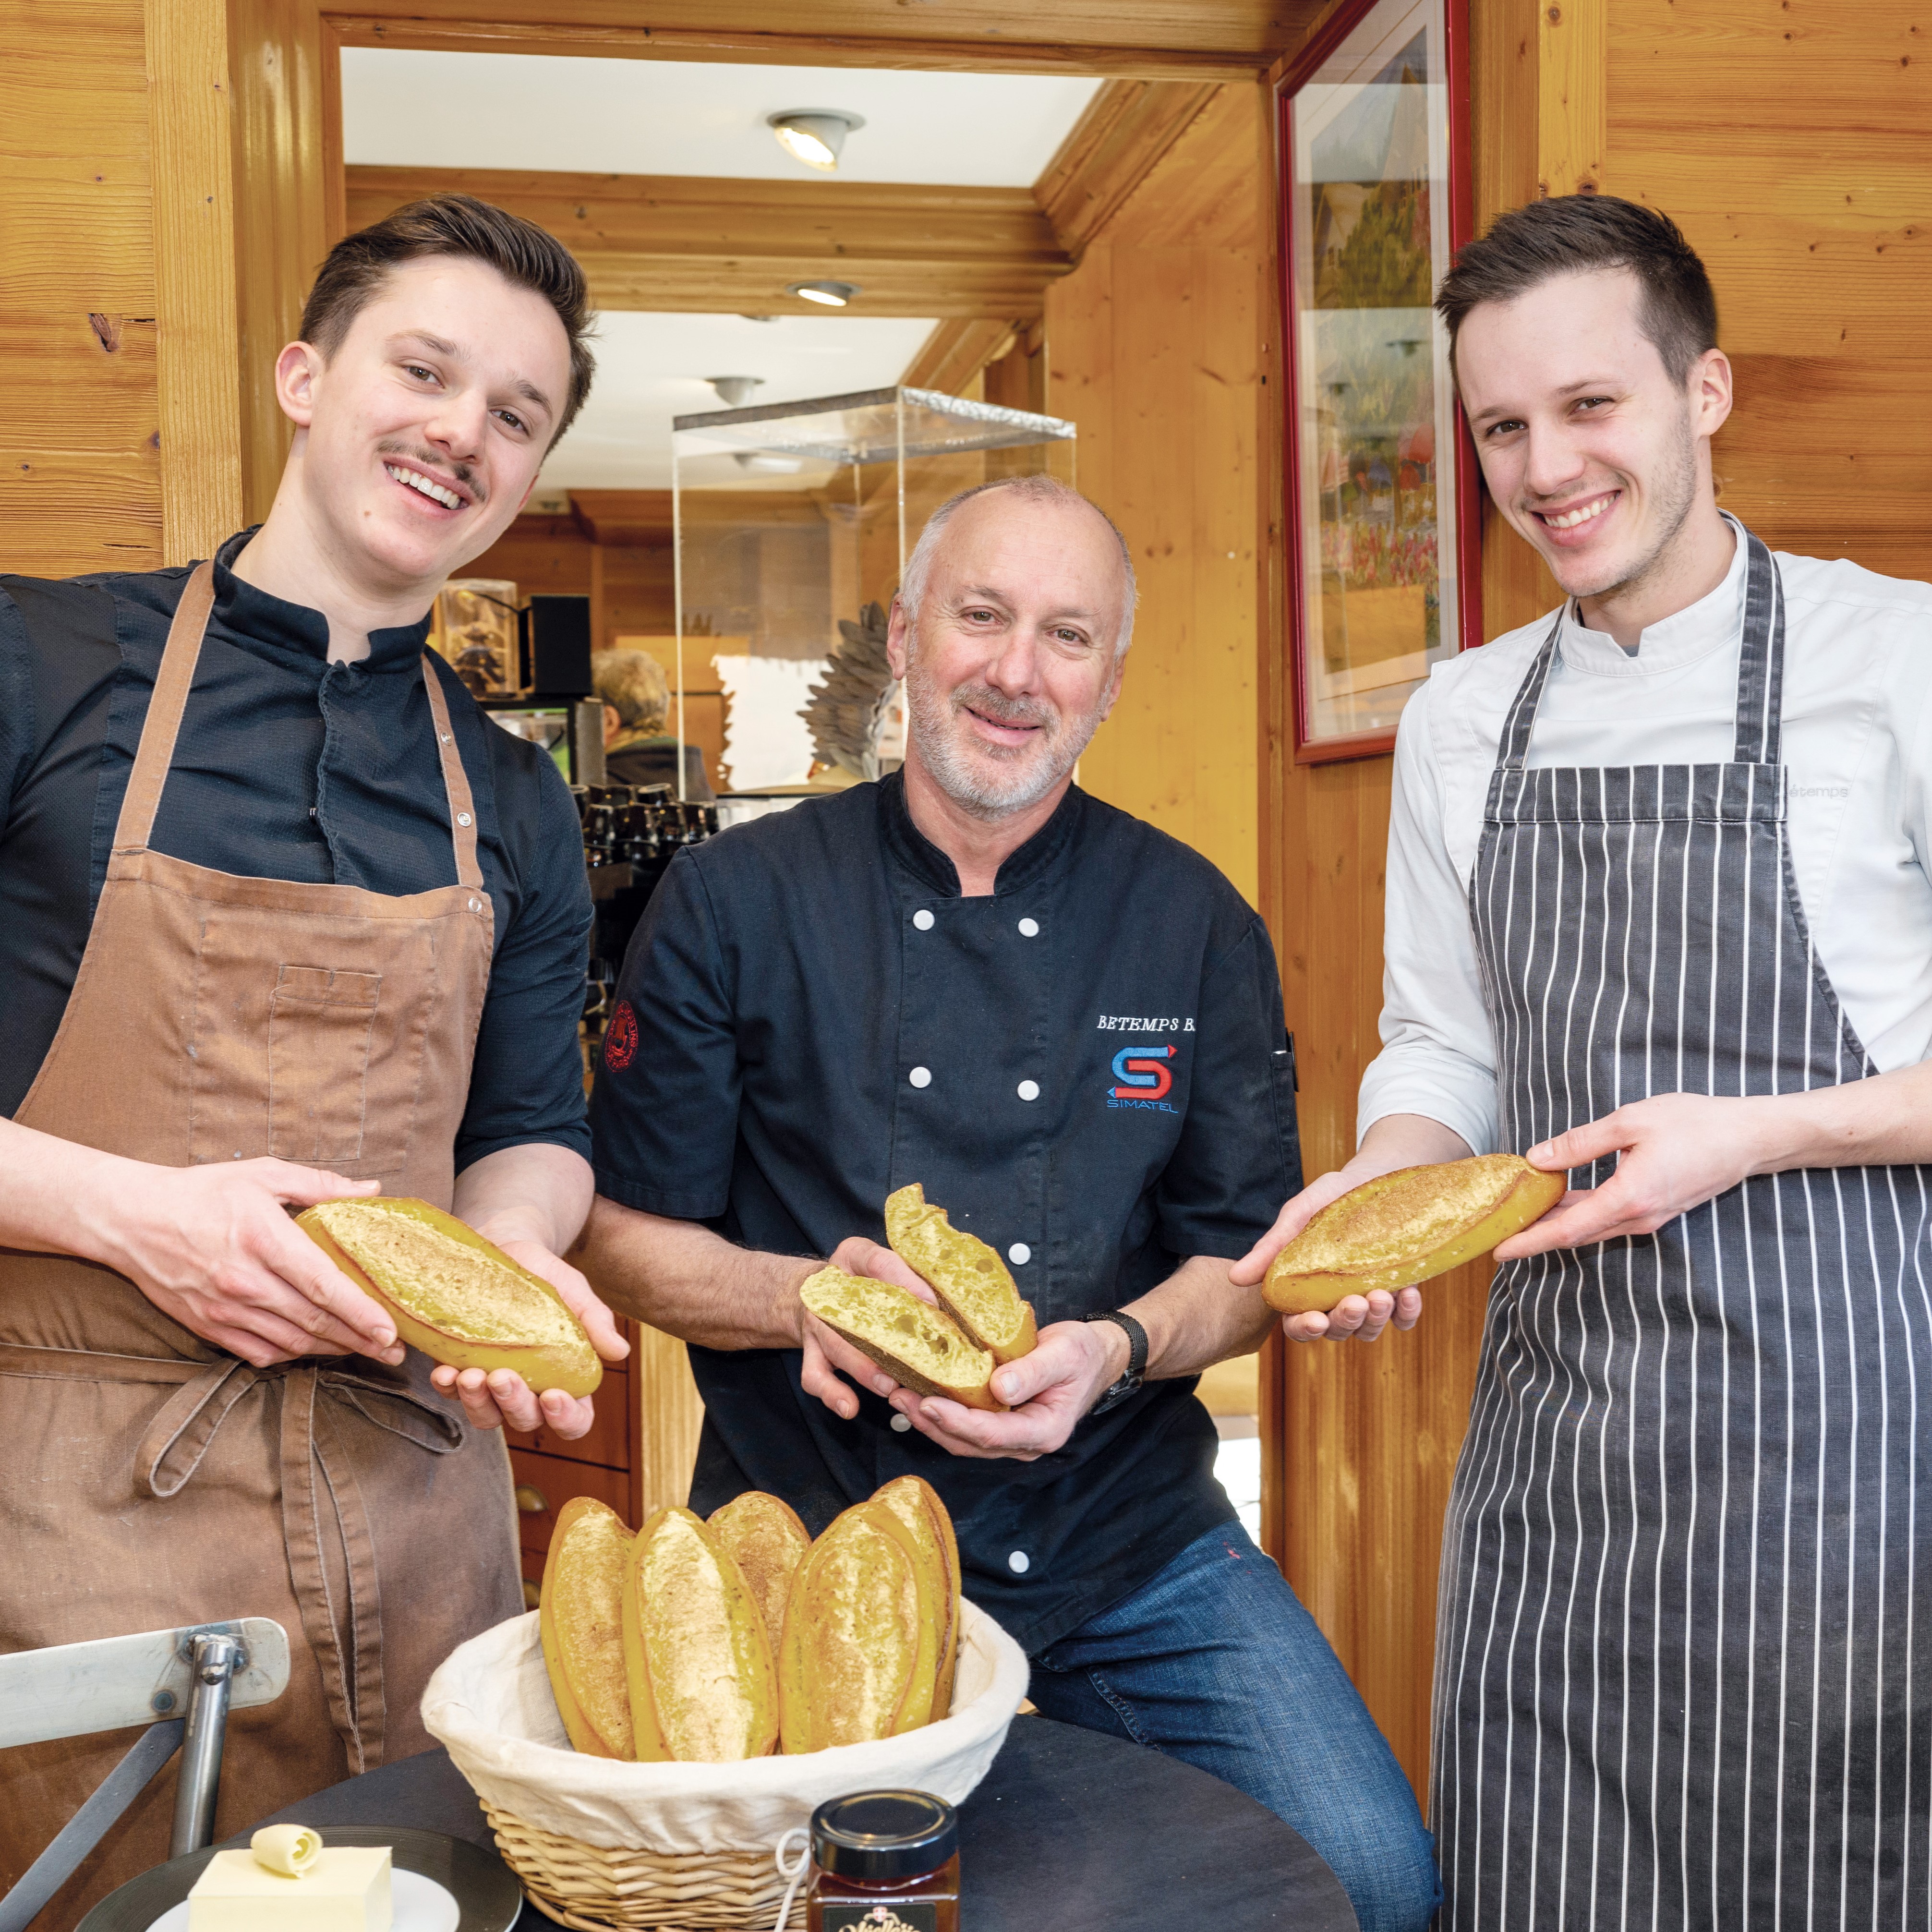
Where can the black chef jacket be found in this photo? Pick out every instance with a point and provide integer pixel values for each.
(287, 767)
(1086, 1069)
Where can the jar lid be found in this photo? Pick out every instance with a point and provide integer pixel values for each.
(883, 1834)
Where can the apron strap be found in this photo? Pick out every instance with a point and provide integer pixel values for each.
(162, 725)
(1761, 658)
(455, 783)
(1513, 746)
(166, 708)
(1760, 671)
(177, 1439)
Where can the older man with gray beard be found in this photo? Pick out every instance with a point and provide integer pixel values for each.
(1068, 1028)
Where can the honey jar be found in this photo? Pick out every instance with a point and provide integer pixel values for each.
(884, 1862)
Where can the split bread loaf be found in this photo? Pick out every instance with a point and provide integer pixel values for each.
(457, 1296)
(581, 1624)
(1406, 1227)
(859, 1658)
(969, 1278)
(697, 1659)
(926, 1521)
(920, 1347)
(768, 1542)
(657, 1648)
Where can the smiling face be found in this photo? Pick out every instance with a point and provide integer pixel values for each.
(1592, 451)
(1010, 661)
(420, 437)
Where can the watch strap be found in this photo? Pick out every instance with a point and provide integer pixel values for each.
(1137, 1338)
(1137, 1357)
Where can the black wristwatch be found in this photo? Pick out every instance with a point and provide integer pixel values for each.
(1137, 1354)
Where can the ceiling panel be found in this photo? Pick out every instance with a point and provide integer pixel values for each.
(652, 368)
(418, 108)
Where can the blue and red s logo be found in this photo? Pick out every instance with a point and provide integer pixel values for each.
(1143, 1073)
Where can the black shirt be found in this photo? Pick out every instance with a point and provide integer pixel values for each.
(287, 767)
(653, 761)
(1089, 1063)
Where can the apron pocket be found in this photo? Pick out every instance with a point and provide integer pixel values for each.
(319, 1022)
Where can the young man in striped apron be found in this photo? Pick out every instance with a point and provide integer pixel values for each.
(1658, 914)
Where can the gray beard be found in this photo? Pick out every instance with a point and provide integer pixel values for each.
(933, 715)
(1677, 492)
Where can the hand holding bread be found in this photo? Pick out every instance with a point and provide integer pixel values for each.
(936, 1313)
(1405, 1227)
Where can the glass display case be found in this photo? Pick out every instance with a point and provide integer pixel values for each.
(792, 525)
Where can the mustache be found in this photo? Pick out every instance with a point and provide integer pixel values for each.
(1015, 711)
(431, 464)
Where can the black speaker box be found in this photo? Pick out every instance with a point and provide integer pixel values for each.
(556, 647)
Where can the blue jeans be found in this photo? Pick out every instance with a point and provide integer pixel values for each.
(1216, 1661)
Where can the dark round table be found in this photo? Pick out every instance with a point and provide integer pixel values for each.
(1070, 1828)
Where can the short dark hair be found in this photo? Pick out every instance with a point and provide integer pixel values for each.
(1572, 233)
(460, 225)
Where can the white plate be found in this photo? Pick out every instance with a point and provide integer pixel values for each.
(419, 1904)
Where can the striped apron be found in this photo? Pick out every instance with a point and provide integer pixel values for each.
(1683, 1654)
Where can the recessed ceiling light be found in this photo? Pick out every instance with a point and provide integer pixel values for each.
(815, 136)
(734, 391)
(828, 295)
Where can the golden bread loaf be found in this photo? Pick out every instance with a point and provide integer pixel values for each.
(969, 1278)
(919, 1346)
(765, 1538)
(1405, 1227)
(697, 1659)
(657, 1648)
(457, 1296)
(861, 1645)
(924, 1517)
(581, 1624)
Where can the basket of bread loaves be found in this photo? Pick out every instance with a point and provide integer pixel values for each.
(645, 1744)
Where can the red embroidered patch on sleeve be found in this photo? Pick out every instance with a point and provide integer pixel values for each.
(620, 1042)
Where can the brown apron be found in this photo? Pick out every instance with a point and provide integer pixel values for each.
(148, 1479)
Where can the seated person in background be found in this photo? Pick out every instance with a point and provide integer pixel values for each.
(1068, 1028)
(637, 750)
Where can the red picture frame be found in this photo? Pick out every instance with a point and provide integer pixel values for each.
(1450, 18)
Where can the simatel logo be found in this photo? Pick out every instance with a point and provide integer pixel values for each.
(1144, 1078)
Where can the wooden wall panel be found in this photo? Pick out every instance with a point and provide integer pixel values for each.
(80, 481)
(1154, 349)
(687, 242)
(190, 107)
(1212, 39)
(283, 76)
(1803, 182)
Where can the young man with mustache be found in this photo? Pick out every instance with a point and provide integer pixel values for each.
(1658, 914)
(283, 918)
(1067, 1028)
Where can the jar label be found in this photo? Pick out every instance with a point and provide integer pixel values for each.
(904, 1918)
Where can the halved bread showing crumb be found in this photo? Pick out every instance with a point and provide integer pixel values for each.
(968, 1276)
(921, 1348)
(1407, 1227)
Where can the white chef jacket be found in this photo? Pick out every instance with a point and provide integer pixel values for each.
(1858, 740)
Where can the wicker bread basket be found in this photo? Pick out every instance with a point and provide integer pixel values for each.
(682, 1847)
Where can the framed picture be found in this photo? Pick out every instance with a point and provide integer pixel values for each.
(1382, 485)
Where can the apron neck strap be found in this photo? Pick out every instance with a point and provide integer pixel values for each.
(1761, 658)
(455, 782)
(156, 752)
(1513, 746)
(1760, 671)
